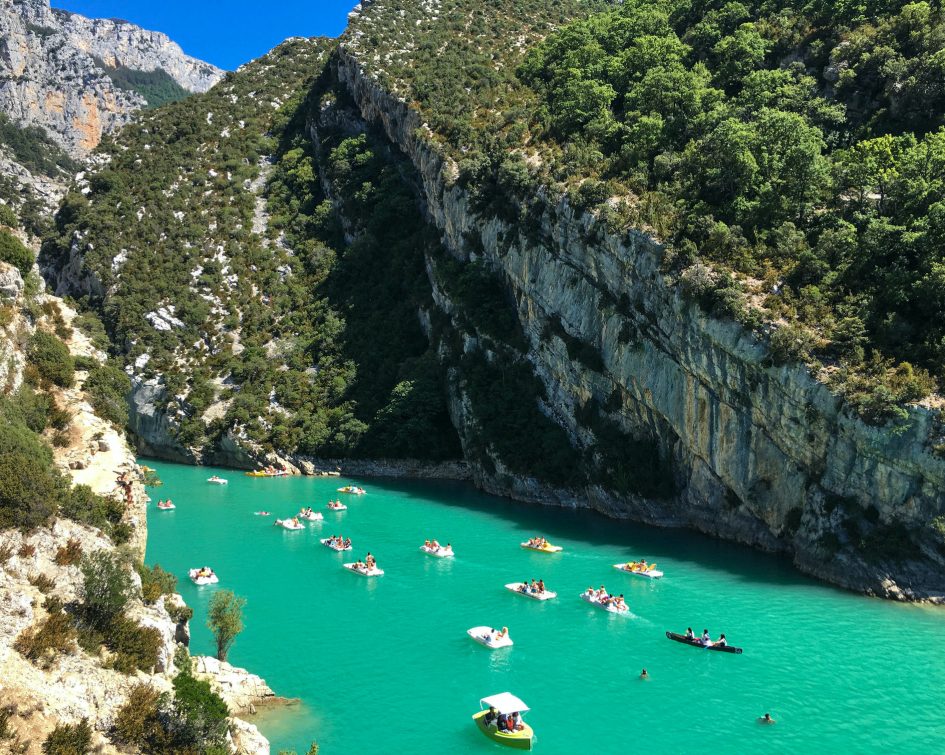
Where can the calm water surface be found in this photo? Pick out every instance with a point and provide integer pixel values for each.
(384, 665)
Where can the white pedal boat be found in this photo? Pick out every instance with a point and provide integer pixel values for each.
(314, 516)
(650, 572)
(353, 489)
(516, 587)
(217, 480)
(489, 637)
(166, 507)
(363, 571)
(288, 524)
(337, 507)
(325, 541)
(199, 579)
(609, 607)
(441, 552)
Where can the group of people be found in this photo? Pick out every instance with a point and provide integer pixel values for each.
(204, 571)
(337, 541)
(368, 564)
(508, 722)
(335, 505)
(168, 504)
(535, 587)
(492, 635)
(604, 598)
(434, 545)
(640, 565)
(537, 542)
(706, 640)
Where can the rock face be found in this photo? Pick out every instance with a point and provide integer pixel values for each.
(242, 691)
(759, 454)
(49, 76)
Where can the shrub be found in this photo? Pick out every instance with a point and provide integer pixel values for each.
(106, 587)
(51, 357)
(42, 582)
(139, 723)
(69, 739)
(26, 550)
(790, 343)
(201, 711)
(13, 252)
(225, 619)
(86, 507)
(31, 489)
(108, 387)
(179, 612)
(135, 646)
(70, 553)
(6, 551)
(44, 641)
(156, 582)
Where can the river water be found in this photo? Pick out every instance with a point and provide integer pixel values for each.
(384, 665)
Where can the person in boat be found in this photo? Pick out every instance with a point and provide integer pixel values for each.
(644, 675)
(502, 634)
(491, 715)
(502, 722)
(523, 587)
(721, 642)
(371, 562)
(541, 585)
(766, 719)
(435, 544)
(589, 593)
(705, 639)
(515, 722)
(690, 635)
(426, 544)
(619, 603)
(346, 543)
(448, 548)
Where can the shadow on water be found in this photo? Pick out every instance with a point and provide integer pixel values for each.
(634, 540)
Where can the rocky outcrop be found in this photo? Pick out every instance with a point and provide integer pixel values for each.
(760, 454)
(242, 691)
(49, 75)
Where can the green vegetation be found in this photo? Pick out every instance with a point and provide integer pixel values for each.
(51, 358)
(43, 642)
(34, 149)
(106, 588)
(13, 252)
(801, 146)
(157, 87)
(107, 387)
(69, 739)
(225, 620)
(155, 582)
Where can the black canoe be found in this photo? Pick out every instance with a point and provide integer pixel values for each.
(695, 643)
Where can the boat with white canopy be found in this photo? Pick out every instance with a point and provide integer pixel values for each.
(502, 707)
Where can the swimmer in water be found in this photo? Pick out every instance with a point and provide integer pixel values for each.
(766, 719)
(644, 676)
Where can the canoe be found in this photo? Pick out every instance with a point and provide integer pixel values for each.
(211, 580)
(546, 549)
(649, 573)
(695, 643)
(610, 607)
(372, 572)
(324, 541)
(440, 552)
(484, 636)
(515, 587)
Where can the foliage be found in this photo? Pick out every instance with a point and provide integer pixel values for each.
(69, 739)
(107, 388)
(179, 612)
(201, 712)
(139, 723)
(34, 149)
(70, 553)
(50, 637)
(51, 358)
(155, 582)
(106, 587)
(13, 252)
(225, 620)
(82, 505)
(157, 87)
(135, 646)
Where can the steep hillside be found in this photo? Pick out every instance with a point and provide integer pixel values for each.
(259, 308)
(646, 278)
(79, 78)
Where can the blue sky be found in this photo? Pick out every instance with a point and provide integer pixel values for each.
(226, 33)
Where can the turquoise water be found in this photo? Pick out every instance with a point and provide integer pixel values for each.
(384, 665)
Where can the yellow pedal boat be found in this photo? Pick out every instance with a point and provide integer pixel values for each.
(507, 703)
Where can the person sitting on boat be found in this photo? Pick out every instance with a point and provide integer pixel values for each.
(515, 722)
(491, 715)
(524, 587)
(541, 585)
(371, 563)
(426, 544)
(502, 634)
(721, 642)
(705, 639)
(619, 603)
(346, 543)
(435, 544)
(502, 722)
(448, 548)
(690, 635)
(590, 594)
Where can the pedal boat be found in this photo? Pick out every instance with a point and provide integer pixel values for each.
(202, 580)
(441, 552)
(288, 524)
(489, 638)
(505, 702)
(548, 548)
(650, 572)
(364, 571)
(516, 587)
(217, 480)
(353, 489)
(315, 516)
(610, 607)
(328, 544)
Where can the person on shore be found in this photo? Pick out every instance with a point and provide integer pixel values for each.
(644, 675)
(766, 719)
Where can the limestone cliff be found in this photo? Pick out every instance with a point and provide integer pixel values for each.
(52, 75)
(759, 454)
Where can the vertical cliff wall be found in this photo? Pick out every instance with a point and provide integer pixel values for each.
(760, 454)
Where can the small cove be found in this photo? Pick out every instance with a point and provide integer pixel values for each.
(385, 665)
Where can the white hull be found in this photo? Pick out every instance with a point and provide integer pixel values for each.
(342, 507)
(610, 608)
(374, 572)
(333, 547)
(315, 516)
(201, 581)
(437, 552)
(648, 574)
(546, 595)
(484, 636)
(167, 508)
(546, 549)
(217, 481)
(289, 525)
